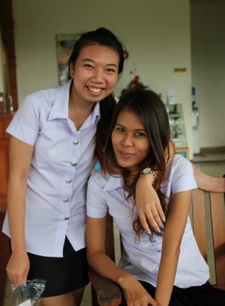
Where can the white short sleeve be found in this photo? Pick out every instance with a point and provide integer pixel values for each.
(96, 204)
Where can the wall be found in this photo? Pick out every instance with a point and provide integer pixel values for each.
(208, 70)
(155, 33)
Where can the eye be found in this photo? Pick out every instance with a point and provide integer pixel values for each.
(88, 66)
(140, 134)
(119, 129)
(111, 70)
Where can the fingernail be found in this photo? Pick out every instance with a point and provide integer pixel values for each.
(164, 220)
(148, 233)
(161, 228)
(159, 233)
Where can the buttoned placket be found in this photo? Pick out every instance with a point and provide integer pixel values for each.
(68, 181)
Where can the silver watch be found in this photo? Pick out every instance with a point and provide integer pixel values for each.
(149, 171)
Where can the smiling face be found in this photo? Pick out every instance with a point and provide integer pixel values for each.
(95, 73)
(130, 140)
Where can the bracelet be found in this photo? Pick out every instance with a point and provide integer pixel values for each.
(149, 171)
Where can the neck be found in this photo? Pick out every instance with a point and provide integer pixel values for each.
(79, 110)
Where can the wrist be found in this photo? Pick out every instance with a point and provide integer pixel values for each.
(148, 170)
(124, 280)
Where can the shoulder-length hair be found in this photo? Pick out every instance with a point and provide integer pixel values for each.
(152, 112)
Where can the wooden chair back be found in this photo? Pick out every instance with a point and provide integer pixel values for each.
(208, 219)
(104, 291)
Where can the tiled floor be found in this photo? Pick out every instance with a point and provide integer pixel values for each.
(212, 164)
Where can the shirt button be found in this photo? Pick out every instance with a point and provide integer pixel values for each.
(73, 164)
(68, 181)
(65, 200)
(66, 217)
(75, 142)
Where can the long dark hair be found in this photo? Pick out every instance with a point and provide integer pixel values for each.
(102, 37)
(148, 106)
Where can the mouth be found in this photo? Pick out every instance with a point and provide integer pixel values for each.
(125, 154)
(95, 90)
(125, 159)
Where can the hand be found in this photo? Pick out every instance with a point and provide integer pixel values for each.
(18, 267)
(135, 293)
(148, 204)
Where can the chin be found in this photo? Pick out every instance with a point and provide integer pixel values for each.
(125, 166)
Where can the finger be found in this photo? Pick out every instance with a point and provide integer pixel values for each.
(157, 219)
(20, 281)
(157, 212)
(12, 276)
(152, 302)
(16, 280)
(156, 208)
(25, 276)
(154, 213)
(150, 219)
(144, 223)
(160, 214)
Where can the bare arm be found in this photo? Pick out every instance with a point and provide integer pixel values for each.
(20, 155)
(133, 291)
(174, 229)
(147, 201)
(148, 204)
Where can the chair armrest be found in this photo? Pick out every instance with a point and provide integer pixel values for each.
(108, 292)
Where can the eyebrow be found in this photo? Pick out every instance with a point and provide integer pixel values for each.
(90, 60)
(134, 130)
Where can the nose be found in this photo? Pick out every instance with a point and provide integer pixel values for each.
(98, 76)
(127, 140)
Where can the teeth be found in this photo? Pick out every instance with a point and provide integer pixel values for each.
(95, 89)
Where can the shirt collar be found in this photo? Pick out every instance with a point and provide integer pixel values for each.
(61, 104)
(95, 115)
(60, 108)
(114, 182)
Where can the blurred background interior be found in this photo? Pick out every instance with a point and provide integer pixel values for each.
(174, 47)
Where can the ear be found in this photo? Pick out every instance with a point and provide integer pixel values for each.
(71, 69)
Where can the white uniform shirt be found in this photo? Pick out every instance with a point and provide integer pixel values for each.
(142, 258)
(61, 163)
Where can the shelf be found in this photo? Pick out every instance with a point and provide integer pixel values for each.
(177, 128)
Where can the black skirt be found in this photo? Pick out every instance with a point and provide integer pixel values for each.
(205, 295)
(62, 275)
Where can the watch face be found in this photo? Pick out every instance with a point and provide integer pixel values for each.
(147, 170)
